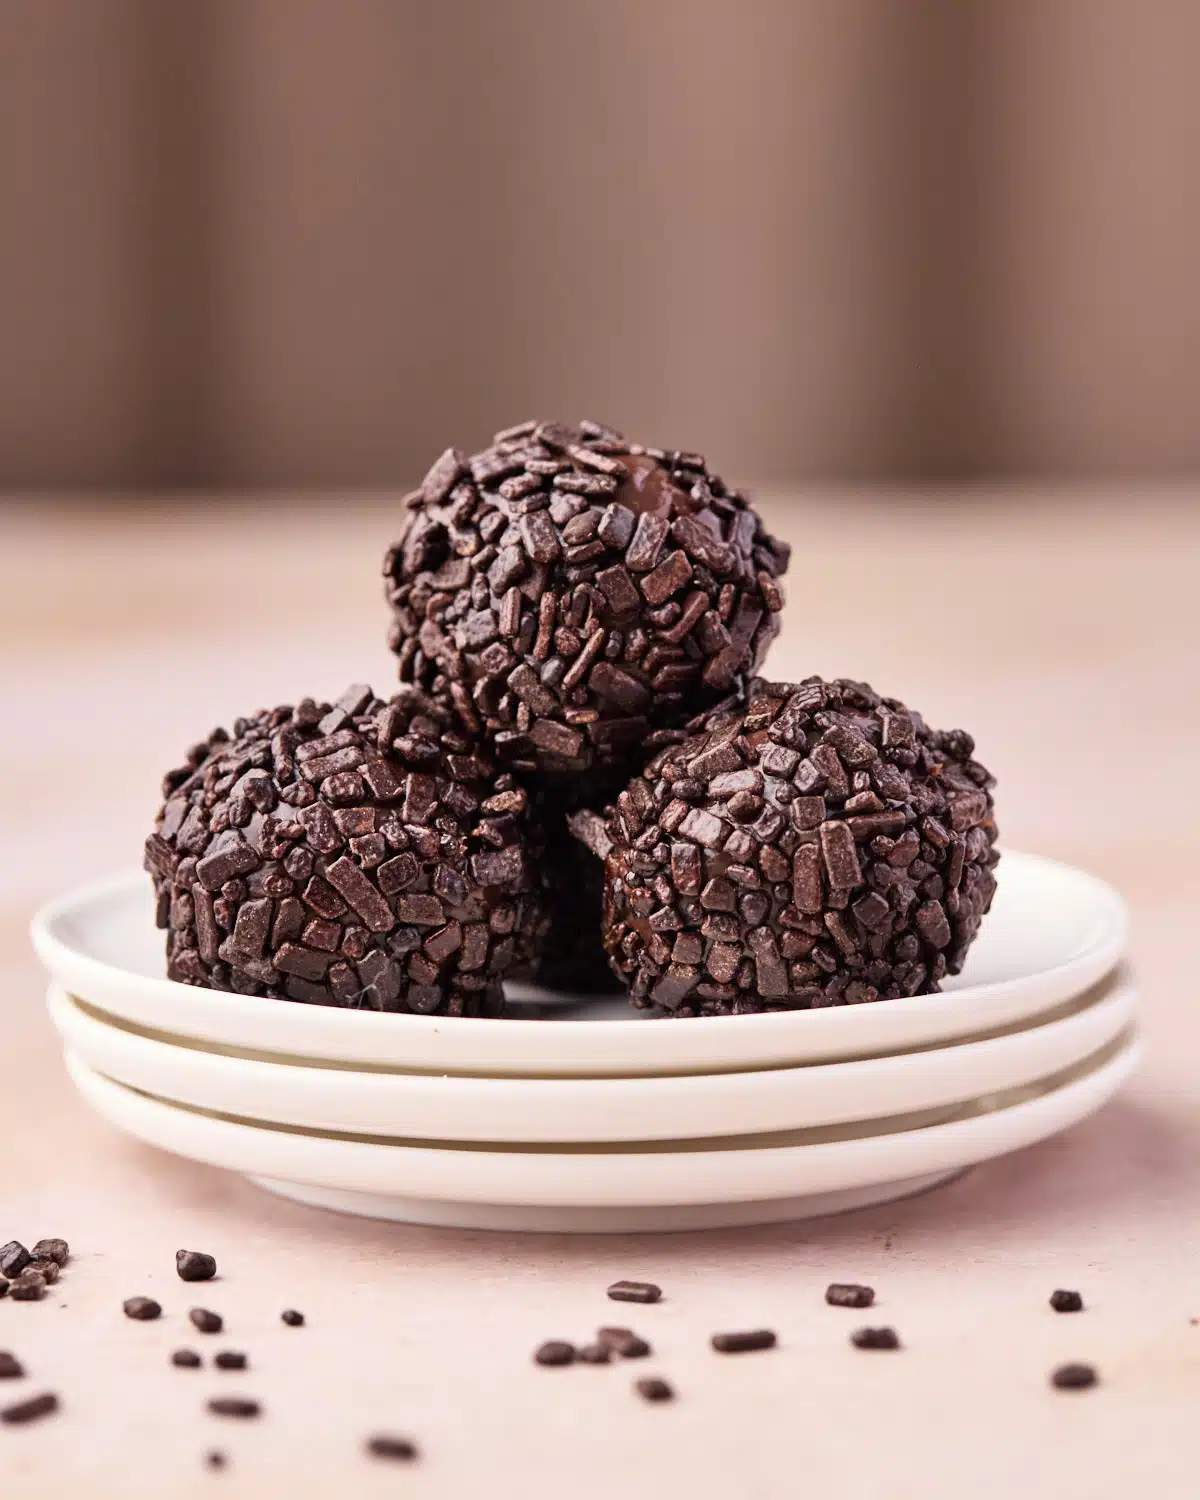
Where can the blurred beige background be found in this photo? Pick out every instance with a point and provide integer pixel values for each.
(299, 242)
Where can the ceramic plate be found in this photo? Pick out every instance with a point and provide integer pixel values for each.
(471, 1182)
(458, 1108)
(1053, 931)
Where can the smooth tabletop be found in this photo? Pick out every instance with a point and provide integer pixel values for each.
(1061, 627)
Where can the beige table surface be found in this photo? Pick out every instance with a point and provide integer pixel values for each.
(1062, 628)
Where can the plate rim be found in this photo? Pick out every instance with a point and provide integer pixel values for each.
(525, 1109)
(644, 1177)
(220, 1016)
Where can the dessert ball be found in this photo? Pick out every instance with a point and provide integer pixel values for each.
(568, 593)
(818, 846)
(357, 854)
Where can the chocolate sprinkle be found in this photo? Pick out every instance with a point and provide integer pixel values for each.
(744, 1343)
(849, 1294)
(30, 1286)
(56, 1250)
(635, 1291)
(205, 1321)
(345, 855)
(654, 1388)
(142, 1309)
(383, 1445)
(31, 1410)
(186, 1359)
(1074, 1377)
(230, 1359)
(816, 845)
(623, 1341)
(595, 1354)
(10, 1366)
(875, 1338)
(194, 1265)
(566, 597)
(13, 1259)
(292, 1318)
(554, 1352)
(1066, 1302)
(234, 1406)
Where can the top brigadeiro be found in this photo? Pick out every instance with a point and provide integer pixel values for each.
(571, 595)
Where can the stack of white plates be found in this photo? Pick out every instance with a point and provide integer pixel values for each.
(584, 1116)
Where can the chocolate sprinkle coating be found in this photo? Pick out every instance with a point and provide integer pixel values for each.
(818, 845)
(569, 594)
(359, 854)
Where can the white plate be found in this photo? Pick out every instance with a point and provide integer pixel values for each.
(546, 1187)
(458, 1108)
(1053, 931)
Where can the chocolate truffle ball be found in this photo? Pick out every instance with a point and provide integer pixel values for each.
(819, 846)
(569, 593)
(360, 854)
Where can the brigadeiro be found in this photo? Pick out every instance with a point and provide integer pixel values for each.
(818, 846)
(357, 854)
(570, 594)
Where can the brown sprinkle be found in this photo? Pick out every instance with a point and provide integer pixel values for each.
(635, 1291)
(849, 1294)
(875, 1338)
(554, 1352)
(1074, 1377)
(56, 1250)
(623, 1341)
(205, 1321)
(10, 1366)
(654, 1388)
(234, 1406)
(744, 1343)
(142, 1309)
(384, 1445)
(31, 1410)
